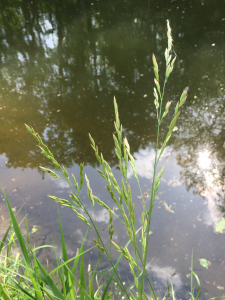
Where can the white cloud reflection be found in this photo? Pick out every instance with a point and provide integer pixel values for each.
(101, 216)
(174, 183)
(144, 162)
(164, 273)
(204, 160)
(210, 168)
(60, 184)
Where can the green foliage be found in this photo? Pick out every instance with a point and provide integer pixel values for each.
(204, 263)
(220, 226)
(22, 279)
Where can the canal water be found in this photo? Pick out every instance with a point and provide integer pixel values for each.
(61, 64)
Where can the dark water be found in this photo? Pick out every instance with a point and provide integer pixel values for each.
(61, 64)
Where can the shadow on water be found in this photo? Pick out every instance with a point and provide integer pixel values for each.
(61, 64)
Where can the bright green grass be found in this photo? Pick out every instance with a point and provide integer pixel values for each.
(24, 277)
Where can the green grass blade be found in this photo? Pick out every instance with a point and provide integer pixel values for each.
(69, 260)
(79, 285)
(192, 289)
(199, 285)
(78, 257)
(22, 246)
(111, 278)
(28, 238)
(49, 281)
(20, 288)
(113, 271)
(63, 283)
(172, 292)
(91, 291)
(9, 270)
(82, 277)
(65, 258)
(17, 232)
(40, 281)
(105, 275)
(3, 294)
(91, 281)
(5, 236)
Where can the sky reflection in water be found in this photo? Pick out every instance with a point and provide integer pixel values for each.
(59, 73)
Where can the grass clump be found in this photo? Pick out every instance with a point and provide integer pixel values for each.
(24, 277)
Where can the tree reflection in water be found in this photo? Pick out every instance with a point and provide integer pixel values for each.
(62, 63)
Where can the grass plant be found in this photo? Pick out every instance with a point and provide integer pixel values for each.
(24, 277)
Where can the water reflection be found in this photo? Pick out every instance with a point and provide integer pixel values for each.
(204, 160)
(214, 188)
(202, 156)
(61, 65)
(165, 273)
(65, 62)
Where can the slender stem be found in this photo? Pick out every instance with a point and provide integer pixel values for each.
(153, 184)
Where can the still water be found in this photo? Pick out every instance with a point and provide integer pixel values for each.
(61, 63)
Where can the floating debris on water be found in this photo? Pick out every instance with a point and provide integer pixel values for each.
(168, 208)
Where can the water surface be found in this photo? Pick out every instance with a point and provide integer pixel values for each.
(61, 65)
